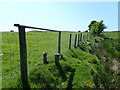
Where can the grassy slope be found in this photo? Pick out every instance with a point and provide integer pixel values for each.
(77, 68)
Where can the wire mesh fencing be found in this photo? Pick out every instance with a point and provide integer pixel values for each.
(10, 60)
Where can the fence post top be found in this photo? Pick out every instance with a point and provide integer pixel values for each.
(16, 24)
(57, 54)
(44, 53)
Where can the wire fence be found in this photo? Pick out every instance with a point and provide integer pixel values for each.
(36, 44)
(10, 59)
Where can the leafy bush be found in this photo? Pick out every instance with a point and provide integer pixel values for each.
(96, 28)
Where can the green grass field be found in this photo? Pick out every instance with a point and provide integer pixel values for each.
(37, 43)
(77, 68)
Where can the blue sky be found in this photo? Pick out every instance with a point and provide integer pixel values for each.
(71, 16)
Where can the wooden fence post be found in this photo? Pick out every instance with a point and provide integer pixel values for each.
(23, 57)
(84, 37)
(45, 58)
(70, 41)
(78, 39)
(81, 37)
(75, 41)
(59, 42)
(57, 59)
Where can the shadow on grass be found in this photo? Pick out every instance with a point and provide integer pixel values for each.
(73, 54)
(61, 71)
(62, 57)
(67, 69)
(69, 85)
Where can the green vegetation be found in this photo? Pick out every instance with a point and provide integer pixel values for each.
(96, 28)
(107, 49)
(90, 65)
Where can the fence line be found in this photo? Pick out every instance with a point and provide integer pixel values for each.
(40, 59)
(23, 49)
